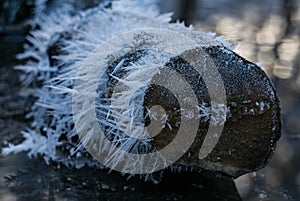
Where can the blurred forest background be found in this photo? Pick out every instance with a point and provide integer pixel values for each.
(264, 31)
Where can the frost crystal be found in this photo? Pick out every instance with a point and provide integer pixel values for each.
(54, 53)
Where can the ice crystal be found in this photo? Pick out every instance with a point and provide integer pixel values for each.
(54, 53)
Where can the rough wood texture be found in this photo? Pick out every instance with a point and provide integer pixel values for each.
(253, 124)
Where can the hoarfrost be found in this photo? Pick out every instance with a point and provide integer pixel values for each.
(55, 52)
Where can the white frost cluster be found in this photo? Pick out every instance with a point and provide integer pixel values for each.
(72, 35)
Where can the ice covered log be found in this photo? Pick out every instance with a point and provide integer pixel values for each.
(233, 112)
(243, 130)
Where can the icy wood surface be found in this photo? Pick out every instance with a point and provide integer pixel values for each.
(58, 48)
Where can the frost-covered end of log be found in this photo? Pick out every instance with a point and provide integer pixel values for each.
(64, 40)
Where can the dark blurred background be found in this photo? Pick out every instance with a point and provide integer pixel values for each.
(264, 31)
